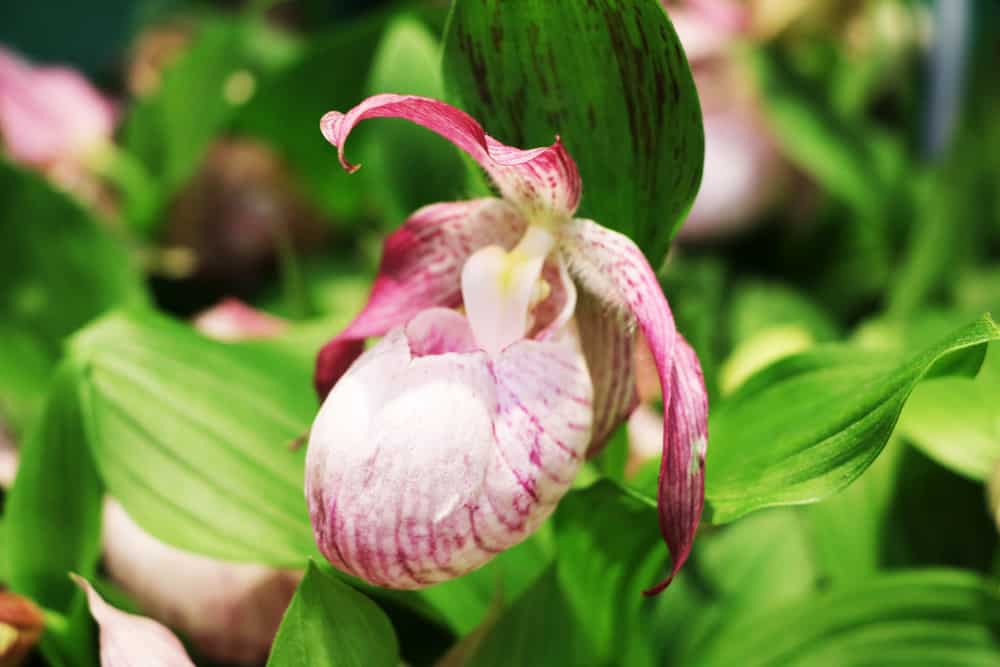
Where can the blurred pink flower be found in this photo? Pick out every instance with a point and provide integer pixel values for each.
(128, 640)
(743, 170)
(231, 319)
(50, 114)
(230, 611)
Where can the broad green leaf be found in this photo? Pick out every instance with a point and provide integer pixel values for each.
(285, 110)
(53, 519)
(851, 531)
(763, 562)
(192, 436)
(956, 421)
(930, 617)
(168, 131)
(59, 267)
(407, 165)
(610, 550)
(539, 629)
(330, 623)
(610, 78)
(809, 425)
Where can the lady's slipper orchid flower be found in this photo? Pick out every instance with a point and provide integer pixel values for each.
(50, 114)
(128, 640)
(507, 358)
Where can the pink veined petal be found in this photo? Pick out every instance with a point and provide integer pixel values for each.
(421, 268)
(423, 468)
(49, 113)
(608, 342)
(132, 641)
(613, 269)
(541, 182)
(681, 489)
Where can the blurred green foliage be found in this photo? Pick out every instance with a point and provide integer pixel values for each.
(844, 309)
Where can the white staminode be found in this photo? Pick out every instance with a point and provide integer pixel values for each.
(499, 288)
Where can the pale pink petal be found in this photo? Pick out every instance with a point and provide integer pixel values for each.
(49, 113)
(422, 468)
(230, 611)
(8, 459)
(706, 28)
(550, 315)
(541, 182)
(231, 319)
(611, 267)
(608, 340)
(421, 268)
(132, 641)
(439, 330)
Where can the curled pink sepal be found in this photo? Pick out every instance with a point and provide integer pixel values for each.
(541, 182)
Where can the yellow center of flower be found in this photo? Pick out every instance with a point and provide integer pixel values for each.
(499, 288)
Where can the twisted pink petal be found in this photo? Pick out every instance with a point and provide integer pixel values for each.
(614, 271)
(539, 181)
(421, 266)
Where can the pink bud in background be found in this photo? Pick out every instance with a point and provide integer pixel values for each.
(230, 611)
(743, 170)
(231, 319)
(128, 640)
(50, 114)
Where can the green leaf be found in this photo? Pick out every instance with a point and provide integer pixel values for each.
(851, 531)
(329, 623)
(539, 629)
(53, 518)
(956, 421)
(809, 425)
(166, 131)
(408, 166)
(609, 77)
(59, 267)
(932, 617)
(610, 550)
(192, 436)
(763, 562)
(26, 364)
